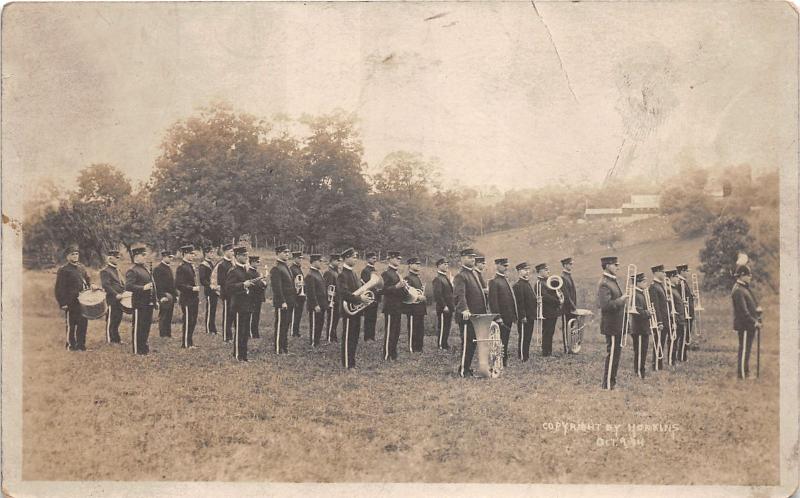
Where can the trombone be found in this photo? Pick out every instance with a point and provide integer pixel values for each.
(673, 331)
(658, 348)
(686, 313)
(630, 303)
(539, 313)
(698, 307)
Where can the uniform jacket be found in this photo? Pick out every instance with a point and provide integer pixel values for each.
(70, 281)
(112, 283)
(238, 294)
(282, 283)
(205, 268)
(347, 282)
(443, 293)
(316, 290)
(679, 313)
(468, 293)
(570, 293)
(416, 309)
(745, 315)
(295, 271)
(689, 295)
(184, 281)
(526, 300)
(393, 302)
(640, 324)
(551, 306)
(484, 287)
(136, 278)
(165, 282)
(330, 279)
(611, 304)
(223, 268)
(502, 300)
(365, 273)
(258, 291)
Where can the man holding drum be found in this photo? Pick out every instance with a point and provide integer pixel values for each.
(71, 279)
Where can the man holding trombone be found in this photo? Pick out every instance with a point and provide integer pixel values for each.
(678, 316)
(612, 303)
(641, 323)
(657, 297)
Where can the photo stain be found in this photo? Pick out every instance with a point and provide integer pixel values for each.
(15, 225)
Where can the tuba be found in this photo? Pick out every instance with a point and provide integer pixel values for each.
(299, 285)
(575, 328)
(555, 283)
(488, 346)
(375, 282)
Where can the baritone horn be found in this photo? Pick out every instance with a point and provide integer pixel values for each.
(374, 283)
(555, 283)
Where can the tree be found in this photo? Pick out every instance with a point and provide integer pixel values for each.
(729, 237)
(102, 183)
(690, 211)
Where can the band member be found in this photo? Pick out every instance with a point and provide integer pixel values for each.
(688, 299)
(112, 283)
(205, 269)
(503, 302)
(258, 295)
(526, 309)
(443, 296)
(238, 289)
(332, 308)
(570, 300)
(284, 297)
(139, 281)
(640, 327)
(188, 283)
(469, 300)
(679, 316)
(297, 311)
(394, 290)
(165, 284)
(746, 319)
(71, 279)
(371, 313)
(223, 267)
(480, 264)
(416, 312)
(347, 283)
(317, 299)
(658, 299)
(611, 302)
(551, 309)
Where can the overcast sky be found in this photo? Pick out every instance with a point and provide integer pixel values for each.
(499, 93)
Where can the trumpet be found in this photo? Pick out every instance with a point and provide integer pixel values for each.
(555, 283)
(331, 295)
(658, 350)
(630, 304)
(299, 285)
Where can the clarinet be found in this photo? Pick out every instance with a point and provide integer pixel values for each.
(153, 292)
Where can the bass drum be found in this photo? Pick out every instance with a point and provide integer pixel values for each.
(127, 302)
(93, 304)
(488, 346)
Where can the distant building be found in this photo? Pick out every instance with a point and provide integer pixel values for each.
(640, 206)
(602, 213)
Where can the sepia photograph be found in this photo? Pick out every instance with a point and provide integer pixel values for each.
(523, 248)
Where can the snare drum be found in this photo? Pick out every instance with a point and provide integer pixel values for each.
(93, 304)
(127, 302)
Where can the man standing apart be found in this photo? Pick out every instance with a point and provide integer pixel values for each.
(611, 302)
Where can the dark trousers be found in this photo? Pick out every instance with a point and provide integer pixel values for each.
(684, 341)
(255, 322)
(679, 345)
(332, 317)
(370, 321)
(548, 329)
(76, 326)
(660, 338)
(565, 318)
(443, 323)
(189, 323)
(745, 347)
(467, 347)
(165, 319)
(241, 334)
(391, 326)
(317, 323)
(227, 320)
(282, 324)
(525, 331)
(639, 354)
(211, 313)
(613, 350)
(671, 349)
(140, 332)
(352, 328)
(505, 336)
(416, 332)
(297, 316)
(113, 319)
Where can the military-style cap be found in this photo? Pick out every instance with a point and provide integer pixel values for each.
(113, 252)
(208, 248)
(239, 250)
(281, 248)
(501, 261)
(187, 248)
(370, 254)
(140, 249)
(393, 254)
(523, 265)
(227, 247)
(468, 252)
(672, 273)
(742, 271)
(254, 259)
(541, 266)
(440, 261)
(682, 268)
(566, 261)
(609, 260)
(480, 259)
(335, 257)
(657, 268)
(297, 254)
(315, 257)
(639, 277)
(412, 261)
(348, 253)
(165, 253)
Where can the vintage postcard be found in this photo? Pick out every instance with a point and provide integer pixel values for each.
(529, 248)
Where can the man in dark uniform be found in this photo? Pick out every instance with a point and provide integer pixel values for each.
(640, 327)
(258, 295)
(746, 319)
(416, 312)
(223, 267)
(332, 306)
(205, 269)
(679, 315)
(371, 313)
(284, 297)
(445, 305)
(317, 299)
(139, 281)
(503, 302)
(570, 300)
(469, 300)
(480, 264)
(187, 281)
(526, 308)
(165, 286)
(611, 302)
(112, 283)
(71, 279)
(394, 290)
(658, 299)
(551, 309)
(348, 282)
(238, 289)
(685, 290)
(297, 310)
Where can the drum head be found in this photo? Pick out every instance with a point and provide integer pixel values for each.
(93, 304)
(127, 302)
(582, 312)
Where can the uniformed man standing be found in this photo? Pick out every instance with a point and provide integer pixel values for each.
(503, 302)
(139, 281)
(371, 313)
(258, 295)
(688, 297)
(205, 269)
(332, 308)
(611, 302)
(658, 299)
(188, 283)
(480, 264)
(526, 307)
(223, 267)
(551, 309)
(416, 312)
(678, 315)
(317, 299)
(746, 319)
(394, 290)
(165, 285)
(71, 280)
(237, 287)
(640, 327)
(469, 300)
(445, 304)
(570, 300)
(348, 282)
(297, 311)
(284, 297)
(112, 283)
